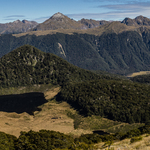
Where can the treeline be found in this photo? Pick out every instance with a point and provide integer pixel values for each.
(141, 79)
(50, 140)
(120, 100)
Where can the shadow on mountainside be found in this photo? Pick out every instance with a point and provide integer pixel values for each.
(20, 103)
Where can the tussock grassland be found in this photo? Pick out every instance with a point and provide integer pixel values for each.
(57, 116)
(115, 27)
(138, 73)
(53, 115)
(126, 144)
(60, 116)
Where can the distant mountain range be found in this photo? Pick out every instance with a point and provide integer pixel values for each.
(17, 26)
(138, 21)
(116, 47)
(60, 21)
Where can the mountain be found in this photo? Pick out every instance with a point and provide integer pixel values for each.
(118, 100)
(92, 94)
(59, 21)
(116, 47)
(17, 26)
(27, 66)
(114, 51)
(138, 21)
(90, 23)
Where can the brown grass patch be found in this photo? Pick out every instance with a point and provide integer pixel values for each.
(138, 73)
(51, 93)
(52, 117)
(115, 27)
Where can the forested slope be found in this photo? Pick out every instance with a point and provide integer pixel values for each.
(92, 94)
(122, 53)
(120, 100)
(27, 66)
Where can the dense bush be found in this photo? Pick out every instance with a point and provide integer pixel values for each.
(43, 140)
(141, 79)
(123, 101)
(28, 65)
(135, 139)
(7, 142)
(49, 140)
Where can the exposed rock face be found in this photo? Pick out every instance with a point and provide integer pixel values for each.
(129, 22)
(138, 21)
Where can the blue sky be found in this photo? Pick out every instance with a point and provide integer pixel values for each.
(40, 10)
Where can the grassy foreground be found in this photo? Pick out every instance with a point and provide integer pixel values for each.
(60, 116)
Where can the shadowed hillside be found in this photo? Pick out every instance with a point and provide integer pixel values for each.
(20, 103)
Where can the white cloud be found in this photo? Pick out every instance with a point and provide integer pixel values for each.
(13, 17)
(129, 9)
(41, 19)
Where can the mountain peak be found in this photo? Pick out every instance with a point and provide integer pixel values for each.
(25, 21)
(17, 21)
(57, 15)
(138, 21)
(140, 17)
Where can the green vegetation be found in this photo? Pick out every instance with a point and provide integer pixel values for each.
(43, 140)
(95, 123)
(27, 66)
(49, 140)
(120, 100)
(135, 139)
(7, 142)
(94, 95)
(122, 53)
(141, 79)
(26, 89)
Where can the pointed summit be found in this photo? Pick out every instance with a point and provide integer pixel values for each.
(129, 22)
(141, 20)
(59, 21)
(138, 21)
(57, 15)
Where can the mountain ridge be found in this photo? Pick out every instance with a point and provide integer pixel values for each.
(17, 26)
(60, 21)
(137, 21)
(121, 53)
